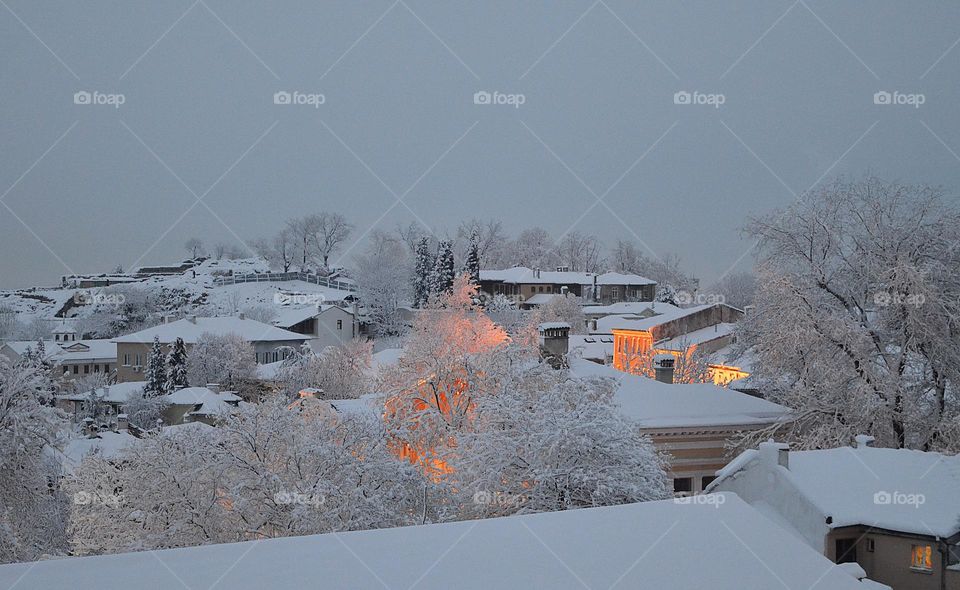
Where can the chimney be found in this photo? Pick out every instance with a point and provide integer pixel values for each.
(536, 273)
(772, 454)
(663, 365)
(554, 339)
(863, 441)
(89, 427)
(214, 387)
(564, 290)
(123, 422)
(592, 324)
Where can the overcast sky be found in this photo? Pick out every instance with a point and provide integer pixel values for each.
(86, 187)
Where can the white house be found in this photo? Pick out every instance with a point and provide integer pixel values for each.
(325, 325)
(896, 512)
(720, 543)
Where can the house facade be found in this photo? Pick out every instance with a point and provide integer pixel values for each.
(325, 325)
(521, 284)
(270, 343)
(895, 512)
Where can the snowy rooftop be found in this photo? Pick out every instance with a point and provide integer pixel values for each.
(116, 393)
(199, 395)
(697, 337)
(845, 482)
(594, 346)
(522, 274)
(294, 315)
(653, 404)
(641, 308)
(634, 322)
(645, 545)
(541, 299)
(190, 331)
(107, 444)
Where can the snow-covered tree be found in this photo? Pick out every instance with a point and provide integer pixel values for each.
(580, 252)
(550, 441)
(382, 275)
(32, 510)
(472, 264)
(177, 377)
(567, 309)
(443, 270)
(341, 371)
(265, 472)
(144, 411)
(422, 273)
(737, 289)
(667, 293)
(156, 374)
(227, 359)
(857, 323)
(490, 238)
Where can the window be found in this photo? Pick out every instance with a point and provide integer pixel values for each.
(871, 545)
(126, 359)
(921, 558)
(137, 361)
(615, 292)
(682, 484)
(846, 550)
(276, 356)
(96, 368)
(706, 480)
(339, 324)
(76, 369)
(86, 369)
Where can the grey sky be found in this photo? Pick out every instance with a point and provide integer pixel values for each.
(399, 80)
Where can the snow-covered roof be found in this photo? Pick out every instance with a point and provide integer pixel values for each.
(295, 315)
(106, 444)
(20, 347)
(616, 278)
(871, 486)
(370, 403)
(86, 349)
(592, 346)
(721, 545)
(640, 308)
(541, 299)
(117, 393)
(269, 371)
(696, 337)
(626, 322)
(553, 326)
(189, 396)
(190, 331)
(653, 404)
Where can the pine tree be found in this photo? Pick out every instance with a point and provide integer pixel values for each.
(443, 273)
(156, 371)
(422, 274)
(177, 366)
(472, 266)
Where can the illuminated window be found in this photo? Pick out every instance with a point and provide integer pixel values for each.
(921, 558)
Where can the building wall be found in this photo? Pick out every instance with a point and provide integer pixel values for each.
(128, 372)
(334, 327)
(889, 562)
(696, 456)
(617, 293)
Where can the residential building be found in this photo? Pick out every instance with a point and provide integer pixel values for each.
(723, 544)
(895, 512)
(325, 325)
(71, 359)
(270, 343)
(691, 423)
(521, 284)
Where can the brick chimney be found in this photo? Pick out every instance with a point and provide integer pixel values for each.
(663, 365)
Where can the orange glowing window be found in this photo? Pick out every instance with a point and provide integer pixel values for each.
(921, 558)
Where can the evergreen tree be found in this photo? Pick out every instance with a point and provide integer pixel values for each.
(422, 273)
(156, 371)
(177, 366)
(472, 266)
(443, 273)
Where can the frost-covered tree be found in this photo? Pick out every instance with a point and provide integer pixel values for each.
(580, 252)
(472, 264)
(567, 309)
(382, 275)
(227, 359)
(737, 289)
(264, 472)
(144, 411)
(194, 247)
(177, 368)
(490, 238)
(341, 372)
(156, 374)
(422, 273)
(667, 294)
(443, 270)
(550, 441)
(857, 323)
(32, 510)
(279, 251)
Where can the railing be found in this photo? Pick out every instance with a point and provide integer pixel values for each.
(263, 277)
